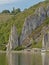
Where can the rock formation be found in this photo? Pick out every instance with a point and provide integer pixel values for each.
(32, 22)
(45, 41)
(47, 11)
(13, 39)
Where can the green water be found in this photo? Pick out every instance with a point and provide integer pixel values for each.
(24, 58)
(3, 60)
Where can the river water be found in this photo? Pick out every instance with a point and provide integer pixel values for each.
(26, 58)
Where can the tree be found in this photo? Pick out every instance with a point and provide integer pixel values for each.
(5, 11)
(25, 9)
(15, 11)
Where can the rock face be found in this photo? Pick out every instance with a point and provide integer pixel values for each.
(13, 39)
(41, 12)
(45, 42)
(32, 22)
(47, 11)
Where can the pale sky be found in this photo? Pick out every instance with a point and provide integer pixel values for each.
(8, 1)
(22, 4)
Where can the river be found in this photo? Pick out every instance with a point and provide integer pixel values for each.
(26, 58)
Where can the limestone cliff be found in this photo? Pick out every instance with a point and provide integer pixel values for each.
(13, 39)
(30, 24)
(34, 21)
(47, 10)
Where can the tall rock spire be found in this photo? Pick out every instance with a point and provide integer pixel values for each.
(13, 39)
(45, 42)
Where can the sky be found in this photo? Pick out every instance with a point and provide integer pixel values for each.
(22, 4)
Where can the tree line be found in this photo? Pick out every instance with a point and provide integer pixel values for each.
(14, 11)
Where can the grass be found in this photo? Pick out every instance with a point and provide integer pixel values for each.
(36, 44)
(18, 48)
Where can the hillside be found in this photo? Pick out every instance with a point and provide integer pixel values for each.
(7, 20)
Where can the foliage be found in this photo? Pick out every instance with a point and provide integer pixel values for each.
(19, 48)
(5, 11)
(36, 44)
(2, 47)
(16, 11)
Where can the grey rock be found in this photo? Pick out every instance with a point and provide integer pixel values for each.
(47, 9)
(45, 41)
(32, 22)
(41, 12)
(13, 39)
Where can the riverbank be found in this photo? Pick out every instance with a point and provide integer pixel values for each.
(26, 51)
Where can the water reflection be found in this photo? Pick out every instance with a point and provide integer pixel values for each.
(45, 58)
(3, 59)
(26, 58)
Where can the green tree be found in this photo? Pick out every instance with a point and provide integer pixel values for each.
(5, 11)
(25, 9)
(15, 11)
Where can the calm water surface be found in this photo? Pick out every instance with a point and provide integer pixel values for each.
(26, 58)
